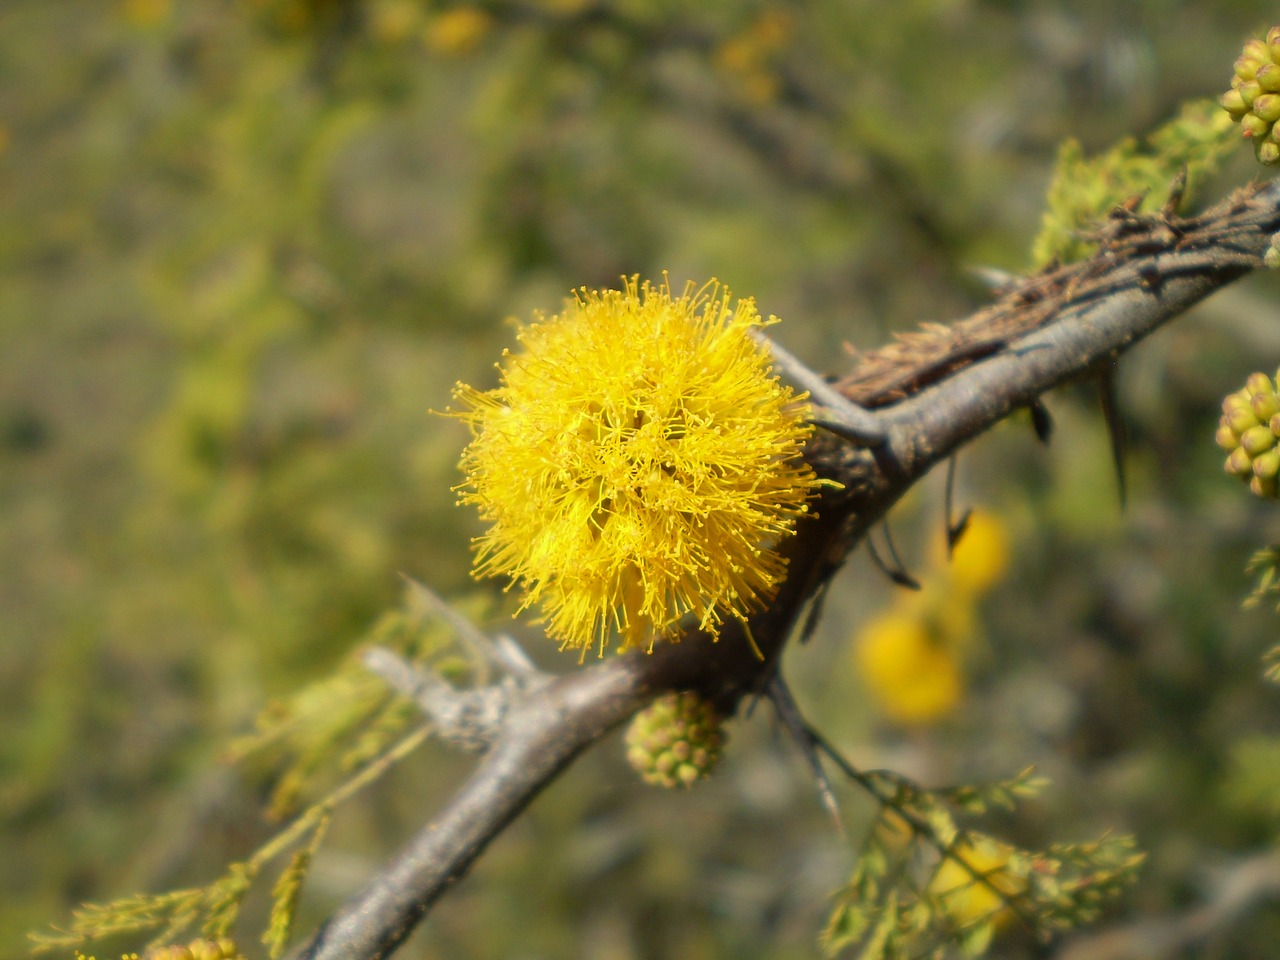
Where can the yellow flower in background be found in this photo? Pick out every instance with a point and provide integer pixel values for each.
(981, 556)
(458, 31)
(914, 676)
(146, 13)
(201, 949)
(392, 21)
(964, 898)
(747, 57)
(638, 463)
(912, 657)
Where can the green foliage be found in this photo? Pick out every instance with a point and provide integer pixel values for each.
(1085, 189)
(1264, 566)
(339, 735)
(284, 896)
(314, 739)
(921, 883)
(1251, 784)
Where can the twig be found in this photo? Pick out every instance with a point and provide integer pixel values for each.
(836, 412)
(798, 728)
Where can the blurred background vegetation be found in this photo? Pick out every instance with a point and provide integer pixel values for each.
(246, 246)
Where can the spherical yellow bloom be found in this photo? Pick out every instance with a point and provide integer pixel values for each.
(638, 463)
(964, 898)
(914, 676)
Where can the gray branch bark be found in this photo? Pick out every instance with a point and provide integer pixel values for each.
(1066, 325)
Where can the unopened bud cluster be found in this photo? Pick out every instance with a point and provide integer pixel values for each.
(1249, 430)
(1254, 98)
(223, 949)
(675, 740)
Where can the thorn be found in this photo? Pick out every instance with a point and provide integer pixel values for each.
(814, 613)
(854, 431)
(1129, 206)
(1041, 421)
(997, 281)
(794, 723)
(835, 412)
(1177, 191)
(1115, 427)
(896, 573)
(954, 531)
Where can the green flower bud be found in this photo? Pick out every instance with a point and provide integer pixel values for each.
(1269, 77)
(1246, 68)
(676, 740)
(1257, 440)
(1226, 438)
(1240, 400)
(1239, 463)
(1248, 91)
(1267, 107)
(1241, 420)
(1267, 465)
(1265, 406)
(1255, 49)
(1249, 431)
(1267, 152)
(1254, 126)
(1259, 383)
(1234, 104)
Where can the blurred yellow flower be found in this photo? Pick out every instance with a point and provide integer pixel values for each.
(146, 13)
(912, 657)
(981, 556)
(392, 21)
(638, 463)
(911, 672)
(565, 7)
(747, 57)
(458, 31)
(201, 949)
(964, 898)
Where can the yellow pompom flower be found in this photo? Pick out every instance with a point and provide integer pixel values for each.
(638, 463)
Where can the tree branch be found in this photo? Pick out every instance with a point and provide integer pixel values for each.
(931, 391)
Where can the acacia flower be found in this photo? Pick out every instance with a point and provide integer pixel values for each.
(637, 463)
